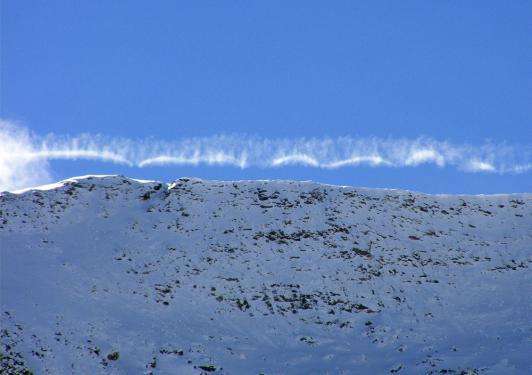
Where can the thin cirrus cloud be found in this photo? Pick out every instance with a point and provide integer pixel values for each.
(25, 157)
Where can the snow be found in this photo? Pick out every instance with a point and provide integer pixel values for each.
(59, 184)
(274, 277)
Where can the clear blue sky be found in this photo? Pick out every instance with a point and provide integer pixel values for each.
(459, 71)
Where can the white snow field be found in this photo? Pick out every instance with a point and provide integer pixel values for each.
(109, 275)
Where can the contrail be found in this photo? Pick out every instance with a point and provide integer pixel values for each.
(25, 156)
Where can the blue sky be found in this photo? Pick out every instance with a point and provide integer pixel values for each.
(450, 71)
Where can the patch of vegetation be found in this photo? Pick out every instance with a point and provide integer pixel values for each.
(113, 356)
(12, 363)
(208, 368)
(362, 252)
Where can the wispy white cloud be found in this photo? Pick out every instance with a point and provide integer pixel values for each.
(17, 168)
(24, 156)
(484, 166)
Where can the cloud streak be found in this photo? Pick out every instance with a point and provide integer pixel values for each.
(25, 157)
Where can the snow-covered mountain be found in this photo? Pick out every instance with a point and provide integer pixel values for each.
(109, 275)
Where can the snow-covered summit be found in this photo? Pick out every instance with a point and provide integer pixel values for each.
(106, 274)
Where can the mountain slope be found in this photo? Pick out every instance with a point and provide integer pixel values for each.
(113, 275)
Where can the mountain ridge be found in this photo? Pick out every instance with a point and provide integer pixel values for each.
(273, 277)
(61, 183)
